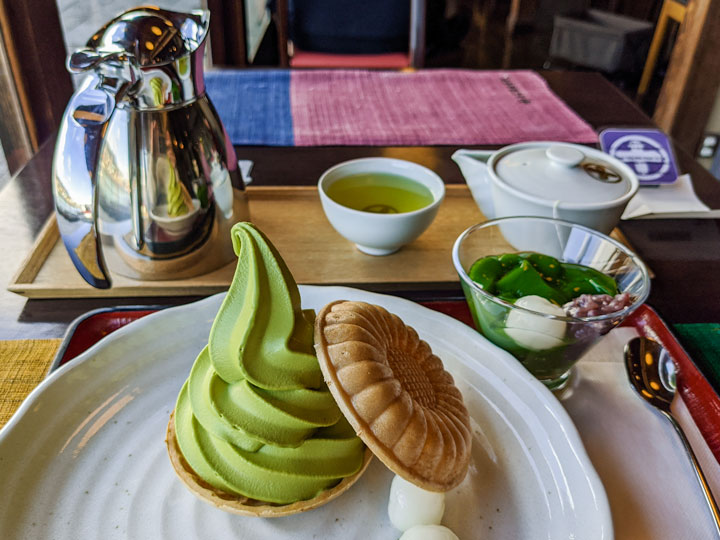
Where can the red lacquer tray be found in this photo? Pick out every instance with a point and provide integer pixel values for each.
(94, 325)
(699, 397)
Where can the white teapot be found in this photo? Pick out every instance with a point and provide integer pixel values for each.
(560, 180)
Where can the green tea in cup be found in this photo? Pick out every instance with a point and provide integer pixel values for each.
(381, 193)
(380, 204)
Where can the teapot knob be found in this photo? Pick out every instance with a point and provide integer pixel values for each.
(567, 156)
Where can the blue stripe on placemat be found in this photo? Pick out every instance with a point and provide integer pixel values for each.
(254, 105)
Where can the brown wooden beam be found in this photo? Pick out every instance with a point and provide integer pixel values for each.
(281, 19)
(693, 77)
(217, 32)
(235, 31)
(227, 32)
(13, 133)
(36, 55)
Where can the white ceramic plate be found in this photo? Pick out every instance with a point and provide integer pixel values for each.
(84, 457)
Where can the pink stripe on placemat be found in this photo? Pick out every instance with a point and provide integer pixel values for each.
(355, 107)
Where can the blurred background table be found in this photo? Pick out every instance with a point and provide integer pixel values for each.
(683, 253)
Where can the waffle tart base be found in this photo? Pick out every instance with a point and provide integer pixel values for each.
(245, 506)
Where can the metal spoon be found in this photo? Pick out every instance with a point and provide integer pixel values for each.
(651, 371)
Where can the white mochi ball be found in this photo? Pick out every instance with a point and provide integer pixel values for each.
(429, 532)
(410, 505)
(535, 332)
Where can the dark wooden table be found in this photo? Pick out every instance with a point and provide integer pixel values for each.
(684, 254)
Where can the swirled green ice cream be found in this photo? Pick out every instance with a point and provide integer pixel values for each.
(176, 201)
(255, 417)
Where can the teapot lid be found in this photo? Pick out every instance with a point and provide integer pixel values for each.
(563, 172)
(153, 36)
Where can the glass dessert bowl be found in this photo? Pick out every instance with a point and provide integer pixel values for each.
(546, 290)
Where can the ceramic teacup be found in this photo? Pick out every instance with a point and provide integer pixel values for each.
(377, 228)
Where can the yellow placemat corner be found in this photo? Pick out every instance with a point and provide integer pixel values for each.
(23, 364)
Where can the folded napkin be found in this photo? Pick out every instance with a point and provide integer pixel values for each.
(648, 478)
(676, 200)
(245, 166)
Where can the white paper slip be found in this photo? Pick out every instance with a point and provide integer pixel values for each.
(245, 167)
(676, 200)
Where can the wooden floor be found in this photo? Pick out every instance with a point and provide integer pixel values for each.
(484, 46)
(487, 46)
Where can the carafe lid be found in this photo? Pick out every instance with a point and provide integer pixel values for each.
(153, 36)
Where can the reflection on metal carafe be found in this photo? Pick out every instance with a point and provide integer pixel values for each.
(146, 182)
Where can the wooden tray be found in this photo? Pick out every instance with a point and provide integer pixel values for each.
(293, 219)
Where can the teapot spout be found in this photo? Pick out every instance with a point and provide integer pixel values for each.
(473, 165)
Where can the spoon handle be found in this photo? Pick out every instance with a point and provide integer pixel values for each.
(699, 474)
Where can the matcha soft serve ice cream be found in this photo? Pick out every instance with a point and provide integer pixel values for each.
(254, 418)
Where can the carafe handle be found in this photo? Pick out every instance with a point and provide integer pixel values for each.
(74, 167)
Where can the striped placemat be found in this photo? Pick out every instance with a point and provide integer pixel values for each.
(254, 105)
(386, 108)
